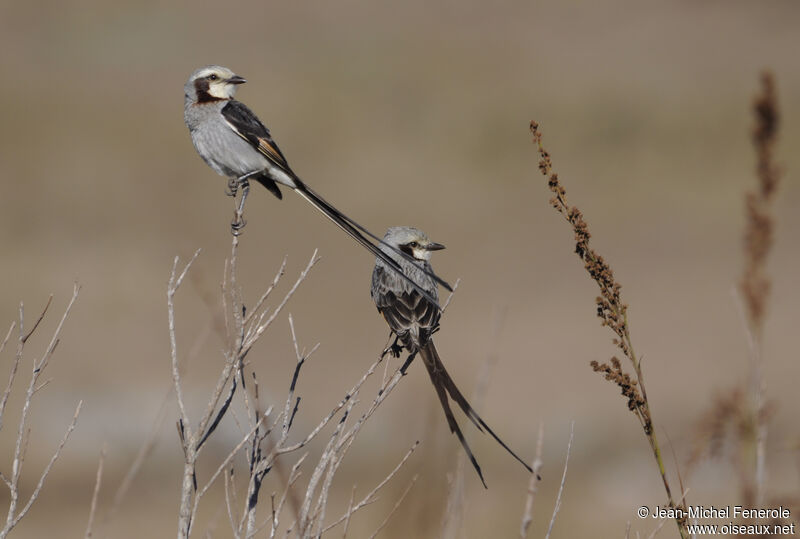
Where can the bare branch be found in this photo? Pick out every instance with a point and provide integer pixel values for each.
(23, 430)
(46, 471)
(396, 505)
(225, 463)
(294, 474)
(349, 512)
(563, 480)
(253, 335)
(370, 498)
(230, 497)
(98, 480)
(39, 321)
(269, 290)
(450, 296)
(57, 333)
(333, 412)
(11, 376)
(533, 484)
(172, 288)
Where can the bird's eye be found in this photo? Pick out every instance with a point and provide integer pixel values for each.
(213, 76)
(413, 245)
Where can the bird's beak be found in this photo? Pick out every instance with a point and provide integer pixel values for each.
(236, 79)
(434, 246)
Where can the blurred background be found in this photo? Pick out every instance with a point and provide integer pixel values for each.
(406, 113)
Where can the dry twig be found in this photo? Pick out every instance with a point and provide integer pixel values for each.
(533, 484)
(97, 481)
(15, 513)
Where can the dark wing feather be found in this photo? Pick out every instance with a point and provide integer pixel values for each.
(270, 184)
(404, 311)
(249, 127)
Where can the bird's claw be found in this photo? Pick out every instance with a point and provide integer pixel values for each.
(233, 187)
(394, 350)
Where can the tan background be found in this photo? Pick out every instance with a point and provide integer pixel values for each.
(403, 113)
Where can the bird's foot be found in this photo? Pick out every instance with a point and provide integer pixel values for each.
(396, 349)
(233, 187)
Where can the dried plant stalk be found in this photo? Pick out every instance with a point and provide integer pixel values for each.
(613, 313)
(741, 413)
(755, 284)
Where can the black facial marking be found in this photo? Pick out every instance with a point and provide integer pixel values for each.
(201, 87)
(408, 249)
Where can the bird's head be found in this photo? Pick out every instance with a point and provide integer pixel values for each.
(412, 242)
(212, 83)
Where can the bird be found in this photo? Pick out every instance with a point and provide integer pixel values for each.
(232, 141)
(413, 319)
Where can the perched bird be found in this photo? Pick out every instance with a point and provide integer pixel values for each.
(413, 318)
(234, 143)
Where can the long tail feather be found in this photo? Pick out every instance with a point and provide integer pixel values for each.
(411, 259)
(443, 379)
(440, 385)
(344, 222)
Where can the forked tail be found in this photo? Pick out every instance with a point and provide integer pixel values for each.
(445, 385)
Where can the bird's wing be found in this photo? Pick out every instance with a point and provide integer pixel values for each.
(246, 124)
(403, 310)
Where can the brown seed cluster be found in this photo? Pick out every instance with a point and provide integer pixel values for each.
(610, 308)
(758, 235)
(629, 387)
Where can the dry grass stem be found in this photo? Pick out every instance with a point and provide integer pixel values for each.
(759, 231)
(755, 284)
(97, 482)
(613, 313)
(533, 484)
(741, 414)
(396, 505)
(563, 482)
